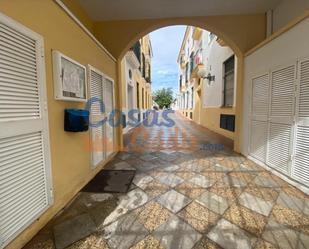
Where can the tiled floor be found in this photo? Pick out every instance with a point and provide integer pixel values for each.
(186, 194)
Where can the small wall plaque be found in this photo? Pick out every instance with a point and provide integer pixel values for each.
(69, 79)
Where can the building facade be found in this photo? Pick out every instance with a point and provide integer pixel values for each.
(136, 74)
(207, 81)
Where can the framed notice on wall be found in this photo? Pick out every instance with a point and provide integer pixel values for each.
(69, 79)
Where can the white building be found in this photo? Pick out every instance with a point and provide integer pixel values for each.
(207, 81)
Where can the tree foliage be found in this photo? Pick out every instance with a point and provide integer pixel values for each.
(164, 97)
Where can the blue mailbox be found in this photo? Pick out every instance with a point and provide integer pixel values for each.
(76, 120)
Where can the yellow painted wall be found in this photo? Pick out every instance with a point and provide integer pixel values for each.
(70, 157)
(240, 32)
(138, 78)
(80, 13)
(210, 118)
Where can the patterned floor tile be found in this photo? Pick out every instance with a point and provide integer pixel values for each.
(198, 216)
(80, 227)
(243, 176)
(234, 181)
(246, 219)
(220, 168)
(267, 182)
(148, 243)
(227, 163)
(126, 221)
(190, 190)
(255, 203)
(262, 244)
(292, 191)
(300, 205)
(122, 166)
(169, 179)
(152, 215)
(291, 218)
(124, 155)
(147, 157)
(155, 188)
(230, 236)
(94, 241)
(130, 201)
(273, 177)
(206, 243)
(171, 168)
(213, 202)
(230, 193)
(185, 175)
(142, 180)
(135, 162)
(176, 233)
(267, 194)
(124, 232)
(201, 181)
(173, 200)
(284, 237)
(214, 175)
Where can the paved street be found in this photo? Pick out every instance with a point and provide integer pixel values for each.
(190, 191)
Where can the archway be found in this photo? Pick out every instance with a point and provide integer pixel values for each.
(223, 37)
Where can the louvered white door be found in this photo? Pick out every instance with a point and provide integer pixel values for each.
(259, 117)
(97, 128)
(281, 118)
(300, 169)
(24, 144)
(109, 103)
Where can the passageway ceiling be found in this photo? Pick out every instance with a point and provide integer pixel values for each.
(106, 10)
(118, 24)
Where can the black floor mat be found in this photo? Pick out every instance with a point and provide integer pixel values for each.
(110, 181)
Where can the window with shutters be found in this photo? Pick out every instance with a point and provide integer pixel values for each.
(143, 102)
(109, 105)
(228, 88)
(259, 116)
(102, 135)
(137, 96)
(192, 97)
(26, 190)
(97, 114)
(300, 168)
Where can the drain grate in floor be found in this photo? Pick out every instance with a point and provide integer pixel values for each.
(110, 181)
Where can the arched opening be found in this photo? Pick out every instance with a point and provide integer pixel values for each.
(215, 116)
(205, 26)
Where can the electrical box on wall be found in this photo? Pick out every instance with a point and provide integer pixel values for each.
(76, 120)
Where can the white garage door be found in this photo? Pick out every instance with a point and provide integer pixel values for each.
(259, 117)
(300, 169)
(279, 120)
(24, 144)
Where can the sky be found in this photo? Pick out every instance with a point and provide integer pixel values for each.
(166, 43)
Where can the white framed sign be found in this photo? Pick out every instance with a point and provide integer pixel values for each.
(69, 78)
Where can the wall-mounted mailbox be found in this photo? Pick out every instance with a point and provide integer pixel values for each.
(76, 120)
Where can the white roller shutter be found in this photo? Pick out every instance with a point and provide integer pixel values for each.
(25, 191)
(259, 116)
(97, 132)
(300, 168)
(281, 118)
(109, 102)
